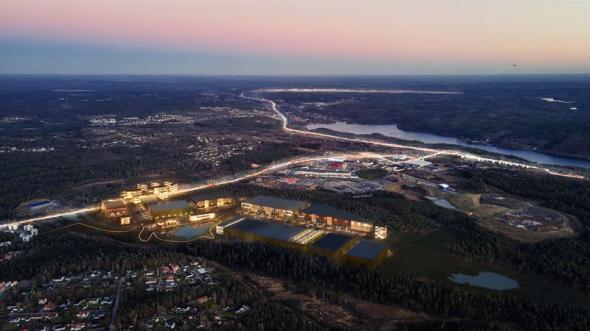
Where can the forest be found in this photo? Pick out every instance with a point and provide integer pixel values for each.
(507, 113)
(448, 306)
(317, 275)
(564, 260)
(567, 260)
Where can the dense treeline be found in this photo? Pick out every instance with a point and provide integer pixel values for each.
(456, 325)
(402, 215)
(310, 274)
(567, 195)
(381, 207)
(424, 296)
(567, 260)
(504, 113)
(45, 112)
(262, 155)
(58, 255)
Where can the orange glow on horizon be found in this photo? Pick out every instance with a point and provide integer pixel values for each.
(532, 31)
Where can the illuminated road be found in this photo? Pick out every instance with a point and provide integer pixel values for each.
(288, 163)
(51, 216)
(464, 155)
(268, 169)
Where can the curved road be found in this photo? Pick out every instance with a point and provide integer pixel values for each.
(465, 155)
(288, 163)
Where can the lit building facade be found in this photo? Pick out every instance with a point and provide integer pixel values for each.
(169, 210)
(330, 216)
(161, 191)
(114, 208)
(211, 200)
(271, 207)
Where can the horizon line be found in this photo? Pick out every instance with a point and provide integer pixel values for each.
(305, 74)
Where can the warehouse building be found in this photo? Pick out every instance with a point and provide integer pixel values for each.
(262, 231)
(266, 206)
(333, 245)
(170, 209)
(330, 216)
(211, 200)
(338, 247)
(367, 253)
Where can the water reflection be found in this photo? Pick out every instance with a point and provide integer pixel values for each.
(391, 130)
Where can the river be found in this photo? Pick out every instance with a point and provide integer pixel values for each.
(391, 130)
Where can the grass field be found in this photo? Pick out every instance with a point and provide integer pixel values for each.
(470, 202)
(425, 256)
(488, 215)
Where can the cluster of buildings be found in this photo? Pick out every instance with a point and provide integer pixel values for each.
(317, 215)
(168, 277)
(215, 151)
(317, 228)
(152, 203)
(120, 209)
(336, 246)
(322, 229)
(325, 169)
(40, 308)
(146, 192)
(160, 118)
(202, 207)
(15, 149)
(58, 304)
(26, 233)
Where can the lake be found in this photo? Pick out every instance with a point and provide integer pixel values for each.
(391, 130)
(486, 279)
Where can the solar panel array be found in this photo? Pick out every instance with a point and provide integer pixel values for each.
(307, 236)
(366, 250)
(267, 229)
(332, 242)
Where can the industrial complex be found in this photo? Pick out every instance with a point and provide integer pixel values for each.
(338, 247)
(302, 225)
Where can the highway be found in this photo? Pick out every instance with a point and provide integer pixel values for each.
(220, 182)
(68, 213)
(464, 155)
(288, 163)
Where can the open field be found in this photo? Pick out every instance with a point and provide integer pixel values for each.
(425, 256)
(490, 215)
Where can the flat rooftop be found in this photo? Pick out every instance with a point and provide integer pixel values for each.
(276, 203)
(169, 205)
(210, 196)
(269, 230)
(366, 250)
(325, 210)
(332, 242)
(110, 204)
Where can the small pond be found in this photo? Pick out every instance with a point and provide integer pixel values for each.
(190, 231)
(441, 202)
(486, 279)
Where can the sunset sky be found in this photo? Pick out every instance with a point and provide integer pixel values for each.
(294, 37)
